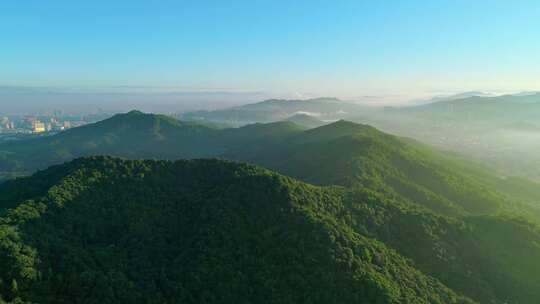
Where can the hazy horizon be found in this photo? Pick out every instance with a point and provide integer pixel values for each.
(194, 55)
(29, 99)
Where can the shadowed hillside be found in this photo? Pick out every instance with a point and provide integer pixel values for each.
(213, 231)
(194, 231)
(340, 153)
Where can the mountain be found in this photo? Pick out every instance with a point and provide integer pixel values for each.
(110, 230)
(279, 109)
(134, 134)
(502, 132)
(305, 120)
(499, 108)
(453, 221)
(341, 153)
(102, 229)
(462, 95)
(354, 155)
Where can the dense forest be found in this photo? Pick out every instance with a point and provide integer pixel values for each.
(193, 231)
(207, 231)
(363, 217)
(342, 153)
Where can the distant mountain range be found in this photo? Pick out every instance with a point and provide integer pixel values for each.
(325, 109)
(482, 107)
(305, 120)
(501, 131)
(331, 109)
(463, 95)
(328, 155)
(495, 111)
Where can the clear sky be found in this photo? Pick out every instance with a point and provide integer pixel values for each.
(339, 48)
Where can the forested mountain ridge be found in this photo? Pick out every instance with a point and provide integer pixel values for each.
(502, 132)
(134, 135)
(111, 230)
(193, 231)
(273, 110)
(403, 186)
(340, 153)
(305, 120)
(354, 155)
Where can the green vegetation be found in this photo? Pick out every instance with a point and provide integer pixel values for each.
(134, 135)
(341, 153)
(306, 120)
(503, 132)
(353, 155)
(390, 220)
(109, 230)
(194, 232)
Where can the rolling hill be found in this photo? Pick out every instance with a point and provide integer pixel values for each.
(133, 134)
(506, 108)
(453, 224)
(279, 109)
(340, 153)
(306, 120)
(102, 229)
(354, 155)
(502, 132)
(194, 231)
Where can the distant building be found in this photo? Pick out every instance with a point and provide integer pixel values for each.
(5, 124)
(38, 126)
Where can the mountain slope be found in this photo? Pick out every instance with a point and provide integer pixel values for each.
(354, 155)
(205, 230)
(305, 120)
(194, 231)
(361, 158)
(502, 132)
(133, 134)
(341, 153)
(279, 109)
(506, 108)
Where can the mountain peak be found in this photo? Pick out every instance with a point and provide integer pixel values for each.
(346, 124)
(338, 129)
(134, 113)
(137, 117)
(306, 120)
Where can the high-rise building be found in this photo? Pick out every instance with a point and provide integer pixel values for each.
(38, 126)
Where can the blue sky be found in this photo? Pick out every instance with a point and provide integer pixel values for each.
(339, 48)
